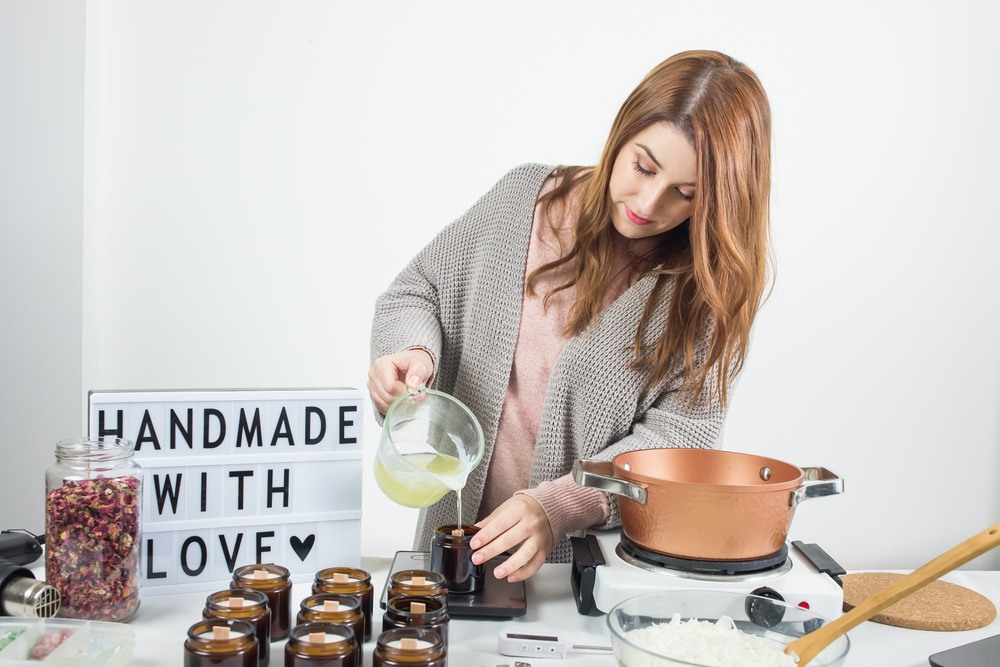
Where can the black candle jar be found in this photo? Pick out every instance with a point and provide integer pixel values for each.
(451, 555)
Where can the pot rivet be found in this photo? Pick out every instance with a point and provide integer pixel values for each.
(765, 473)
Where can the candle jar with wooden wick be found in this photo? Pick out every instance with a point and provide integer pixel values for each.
(412, 611)
(409, 647)
(451, 555)
(322, 645)
(424, 583)
(274, 582)
(333, 608)
(244, 605)
(350, 581)
(221, 642)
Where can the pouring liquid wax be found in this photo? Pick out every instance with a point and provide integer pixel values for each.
(432, 476)
(430, 444)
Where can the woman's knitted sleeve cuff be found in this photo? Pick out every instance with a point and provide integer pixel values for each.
(569, 506)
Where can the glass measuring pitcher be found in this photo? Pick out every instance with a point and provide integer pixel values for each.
(430, 443)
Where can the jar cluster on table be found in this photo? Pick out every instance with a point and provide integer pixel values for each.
(330, 626)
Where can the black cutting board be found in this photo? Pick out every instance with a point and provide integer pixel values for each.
(498, 599)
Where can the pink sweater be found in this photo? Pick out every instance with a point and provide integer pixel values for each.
(568, 506)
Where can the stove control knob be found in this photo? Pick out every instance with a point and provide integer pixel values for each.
(761, 611)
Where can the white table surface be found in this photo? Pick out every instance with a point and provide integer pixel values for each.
(162, 622)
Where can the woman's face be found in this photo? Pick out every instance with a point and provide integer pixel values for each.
(652, 182)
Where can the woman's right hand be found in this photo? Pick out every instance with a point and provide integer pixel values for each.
(389, 376)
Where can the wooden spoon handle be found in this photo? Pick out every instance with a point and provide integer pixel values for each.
(810, 645)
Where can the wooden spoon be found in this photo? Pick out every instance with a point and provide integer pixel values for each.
(809, 646)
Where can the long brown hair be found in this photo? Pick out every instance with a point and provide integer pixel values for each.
(719, 258)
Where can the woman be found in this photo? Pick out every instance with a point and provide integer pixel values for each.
(581, 312)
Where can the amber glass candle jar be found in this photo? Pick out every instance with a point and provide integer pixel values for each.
(425, 583)
(333, 608)
(244, 605)
(220, 642)
(414, 611)
(322, 645)
(350, 581)
(451, 555)
(273, 581)
(409, 647)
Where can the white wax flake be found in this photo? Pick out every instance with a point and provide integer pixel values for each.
(718, 644)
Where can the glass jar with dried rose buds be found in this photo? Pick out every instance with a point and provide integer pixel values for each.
(92, 530)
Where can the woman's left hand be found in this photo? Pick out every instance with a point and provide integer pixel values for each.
(518, 521)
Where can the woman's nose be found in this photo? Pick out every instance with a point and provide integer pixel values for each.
(650, 199)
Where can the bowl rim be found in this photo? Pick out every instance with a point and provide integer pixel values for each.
(620, 637)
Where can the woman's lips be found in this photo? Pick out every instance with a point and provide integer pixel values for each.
(635, 218)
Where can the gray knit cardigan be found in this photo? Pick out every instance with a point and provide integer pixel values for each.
(461, 298)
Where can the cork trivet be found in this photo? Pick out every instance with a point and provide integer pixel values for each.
(940, 605)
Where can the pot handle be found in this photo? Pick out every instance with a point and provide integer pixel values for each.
(601, 475)
(817, 482)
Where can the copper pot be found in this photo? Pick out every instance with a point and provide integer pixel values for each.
(706, 504)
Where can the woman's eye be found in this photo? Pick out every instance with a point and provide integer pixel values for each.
(638, 168)
(685, 197)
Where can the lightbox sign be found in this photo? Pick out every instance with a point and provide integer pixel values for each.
(235, 477)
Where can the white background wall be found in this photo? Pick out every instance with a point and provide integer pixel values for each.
(41, 251)
(255, 173)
